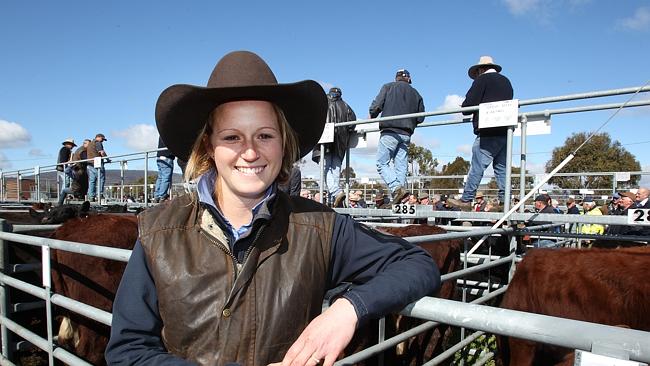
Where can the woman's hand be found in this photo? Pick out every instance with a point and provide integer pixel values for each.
(324, 338)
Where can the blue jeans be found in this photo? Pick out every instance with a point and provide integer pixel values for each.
(332, 175)
(64, 192)
(393, 146)
(92, 181)
(485, 151)
(164, 180)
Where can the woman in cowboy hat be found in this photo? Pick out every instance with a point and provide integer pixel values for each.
(237, 271)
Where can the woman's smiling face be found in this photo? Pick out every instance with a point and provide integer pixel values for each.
(246, 145)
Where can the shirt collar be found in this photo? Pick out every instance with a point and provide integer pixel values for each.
(488, 71)
(205, 189)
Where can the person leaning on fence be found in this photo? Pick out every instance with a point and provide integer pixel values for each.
(65, 155)
(396, 98)
(237, 271)
(590, 208)
(337, 111)
(96, 149)
(490, 143)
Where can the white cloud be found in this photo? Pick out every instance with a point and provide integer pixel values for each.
(640, 21)
(465, 149)
(521, 7)
(4, 163)
(140, 137)
(13, 134)
(37, 153)
(452, 101)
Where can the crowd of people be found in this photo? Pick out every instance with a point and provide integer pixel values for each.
(81, 172)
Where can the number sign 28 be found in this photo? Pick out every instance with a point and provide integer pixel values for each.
(638, 216)
(404, 210)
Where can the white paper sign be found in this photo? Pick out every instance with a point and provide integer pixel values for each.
(622, 176)
(586, 191)
(498, 114)
(638, 216)
(328, 134)
(584, 358)
(97, 161)
(534, 128)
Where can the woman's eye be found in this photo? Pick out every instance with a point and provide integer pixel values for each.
(266, 136)
(231, 138)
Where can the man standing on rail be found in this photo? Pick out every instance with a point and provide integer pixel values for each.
(95, 149)
(337, 111)
(64, 156)
(396, 98)
(490, 143)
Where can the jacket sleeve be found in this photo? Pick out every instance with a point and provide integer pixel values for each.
(136, 326)
(378, 273)
(420, 108)
(378, 104)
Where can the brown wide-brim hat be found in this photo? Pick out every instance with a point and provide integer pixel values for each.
(484, 61)
(182, 110)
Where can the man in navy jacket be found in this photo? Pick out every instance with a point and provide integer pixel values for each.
(490, 144)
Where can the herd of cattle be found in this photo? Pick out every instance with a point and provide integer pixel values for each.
(606, 286)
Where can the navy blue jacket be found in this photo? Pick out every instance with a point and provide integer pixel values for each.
(488, 87)
(396, 98)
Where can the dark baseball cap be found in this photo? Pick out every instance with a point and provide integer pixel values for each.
(542, 198)
(403, 73)
(102, 136)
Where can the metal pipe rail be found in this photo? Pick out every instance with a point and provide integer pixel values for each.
(70, 246)
(635, 238)
(31, 228)
(58, 352)
(478, 268)
(538, 328)
(561, 98)
(397, 339)
(469, 234)
(493, 216)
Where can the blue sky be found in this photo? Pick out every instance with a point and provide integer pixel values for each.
(76, 68)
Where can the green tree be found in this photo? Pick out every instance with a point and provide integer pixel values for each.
(514, 178)
(422, 158)
(352, 173)
(600, 154)
(459, 166)
(151, 179)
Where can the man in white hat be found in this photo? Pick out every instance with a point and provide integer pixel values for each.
(64, 156)
(490, 144)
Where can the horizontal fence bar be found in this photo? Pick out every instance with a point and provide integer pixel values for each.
(59, 353)
(478, 268)
(539, 328)
(455, 348)
(395, 340)
(117, 254)
(31, 228)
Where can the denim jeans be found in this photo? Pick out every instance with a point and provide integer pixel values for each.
(393, 146)
(332, 175)
(92, 181)
(164, 180)
(63, 179)
(64, 192)
(485, 151)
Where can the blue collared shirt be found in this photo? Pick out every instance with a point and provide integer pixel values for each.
(205, 189)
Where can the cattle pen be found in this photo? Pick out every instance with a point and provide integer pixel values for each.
(620, 343)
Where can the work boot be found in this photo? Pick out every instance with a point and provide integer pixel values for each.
(462, 205)
(398, 195)
(338, 200)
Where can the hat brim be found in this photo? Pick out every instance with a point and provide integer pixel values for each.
(69, 142)
(473, 71)
(182, 111)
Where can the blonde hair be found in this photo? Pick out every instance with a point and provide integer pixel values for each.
(200, 160)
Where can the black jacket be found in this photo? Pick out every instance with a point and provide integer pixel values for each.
(64, 156)
(396, 98)
(337, 111)
(488, 87)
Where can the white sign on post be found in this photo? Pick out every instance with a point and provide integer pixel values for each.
(639, 216)
(328, 134)
(622, 176)
(498, 114)
(97, 161)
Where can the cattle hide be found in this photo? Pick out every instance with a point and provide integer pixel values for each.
(417, 350)
(91, 280)
(598, 285)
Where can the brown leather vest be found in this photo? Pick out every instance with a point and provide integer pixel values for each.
(215, 311)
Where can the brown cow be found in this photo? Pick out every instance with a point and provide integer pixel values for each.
(599, 285)
(91, 280)
(425, 346)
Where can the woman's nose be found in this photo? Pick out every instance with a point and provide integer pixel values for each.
(250, 152)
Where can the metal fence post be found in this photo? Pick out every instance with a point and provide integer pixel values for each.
(2, 186)
(37, 178)
(4, 292)
(47, 284)
(18, 188)
(146, 172)
(122, 181)
(321, 168)
(506, 196)
(522, 166)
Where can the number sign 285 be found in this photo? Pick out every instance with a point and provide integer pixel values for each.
(404, 210)
(638, 216)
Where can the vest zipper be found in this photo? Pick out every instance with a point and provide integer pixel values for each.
(227, 251)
